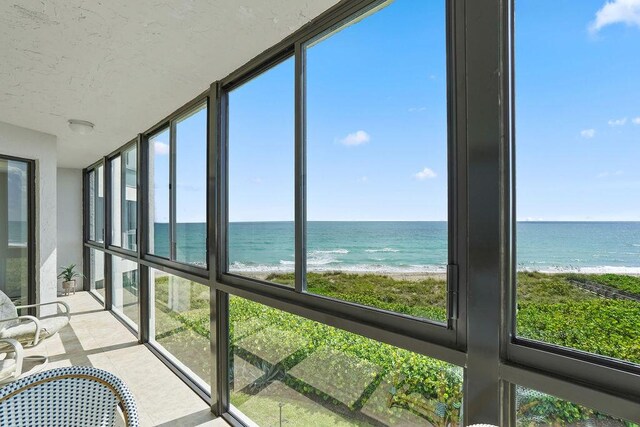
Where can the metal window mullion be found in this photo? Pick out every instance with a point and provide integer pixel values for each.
(216, 248)
(108, 279)
(172, 191)
(220, 345)
(457, 163)
(485, 138)
(300, 217)
(144, 303)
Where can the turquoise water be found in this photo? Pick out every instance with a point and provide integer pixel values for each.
(411, 246)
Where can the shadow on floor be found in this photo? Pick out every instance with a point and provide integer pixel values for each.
(194, 419)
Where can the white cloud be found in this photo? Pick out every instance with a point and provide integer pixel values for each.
(588, 133)
(357, 138)
(425, 174)
(363, 179)
(607, 174)
(617, 12)
(257, 180)
(160, 148)
(417, 109)
(618, 122)
(636, 121)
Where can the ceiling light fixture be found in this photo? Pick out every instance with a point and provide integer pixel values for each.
(81, 126)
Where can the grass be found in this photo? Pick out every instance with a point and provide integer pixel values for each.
(621, 282)
(182, 322)
(424, 298)
(405, 385)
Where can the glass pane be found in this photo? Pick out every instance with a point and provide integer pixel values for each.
(534, 409)
(130, 207)
(96, 272)
(125, 293)
(98, 198)
(261, 176)
(191, 189)
(578, 210)
(92, 205)
(377, 160)
(180, 322)
(287, 370)
(14, 230)
(116, 201)
(159, 166)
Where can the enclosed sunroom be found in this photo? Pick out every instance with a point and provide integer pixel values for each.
(330, 213)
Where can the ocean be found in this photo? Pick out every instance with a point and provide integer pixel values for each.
(413, 247)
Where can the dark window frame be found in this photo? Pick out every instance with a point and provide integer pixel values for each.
(32, 207)
(479, 60)
(190, 108)
(604, 374)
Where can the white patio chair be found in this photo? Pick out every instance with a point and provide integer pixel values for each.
(29, 330)
(11, 365)
(69, 396)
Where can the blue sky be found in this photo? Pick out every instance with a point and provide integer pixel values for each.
(191, 169)
(376, 120)
(578, 109)
(376, 125)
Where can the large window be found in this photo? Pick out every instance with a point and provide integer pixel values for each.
(365, 170)
(578, 210)
(15, 234)
(96, 272)
(191, 188)
(261, 176)
(180, 322)
(125, 289)
(116, 201)
(124, 199)
(96, 204)
(288, 370)
(130, 199)
(377, 160)
(177, 190)
(159, 194)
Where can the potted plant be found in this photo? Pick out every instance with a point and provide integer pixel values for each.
(68, 276)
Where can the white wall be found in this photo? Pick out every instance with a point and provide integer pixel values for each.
(69, 200)
(41, 147)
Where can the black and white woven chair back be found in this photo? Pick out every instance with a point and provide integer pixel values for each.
(70, 396)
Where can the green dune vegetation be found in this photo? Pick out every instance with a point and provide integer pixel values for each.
(270, 347)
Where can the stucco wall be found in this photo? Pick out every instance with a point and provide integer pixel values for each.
(69, 189)
(29, 144)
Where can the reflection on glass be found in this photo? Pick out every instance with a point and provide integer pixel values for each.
(180, 322)
(96, 204)
(130, 202)
(578, 210)
(92, 205)
(261, 175)
(287, 370)
(377, 160)
(191, 188)
(116, 201)
(535, 409)
(96, 272)
(125, 289)
(14, 230)
(159, 166)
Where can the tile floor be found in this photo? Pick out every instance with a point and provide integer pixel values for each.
(96, 338)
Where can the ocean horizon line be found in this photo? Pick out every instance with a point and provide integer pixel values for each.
(582, 221)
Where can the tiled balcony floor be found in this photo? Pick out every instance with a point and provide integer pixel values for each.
(96, 338)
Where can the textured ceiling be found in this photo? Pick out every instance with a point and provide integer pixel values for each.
(123, 64)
